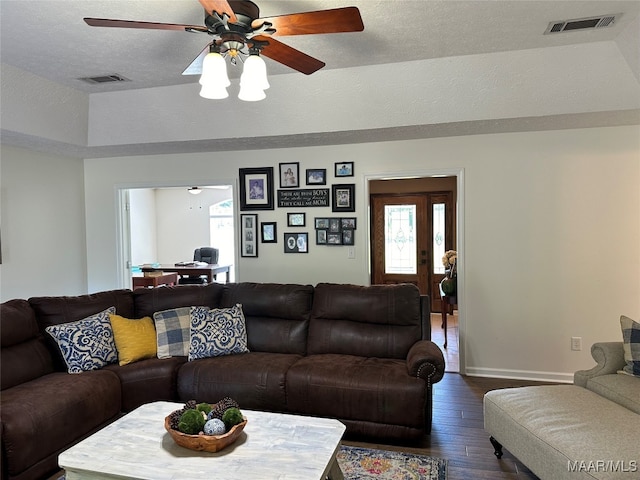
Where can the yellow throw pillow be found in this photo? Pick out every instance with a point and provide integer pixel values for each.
(135, 339)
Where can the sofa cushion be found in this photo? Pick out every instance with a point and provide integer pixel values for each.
(385, 319)
(255, 380)
(172, 332)
(42, 417)
(357, 388)
(148, 301)
(57, 310)
(148, 380)
(65, 309)
(277, 315)
(20, 338)
(135, 339)
(86, 344)
(619, 388)
(631, 345)
(217, 331)
(553, 429)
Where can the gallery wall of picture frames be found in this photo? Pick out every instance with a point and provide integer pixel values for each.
(333, 231)
(257, 192)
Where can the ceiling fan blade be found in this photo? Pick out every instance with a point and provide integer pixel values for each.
(195, 67)
(220, 7)
(107, 22)
(336, 20)
(289, 56)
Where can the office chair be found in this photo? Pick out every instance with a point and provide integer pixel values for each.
(203, 254)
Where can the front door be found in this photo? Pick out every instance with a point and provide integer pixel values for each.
(409, 235)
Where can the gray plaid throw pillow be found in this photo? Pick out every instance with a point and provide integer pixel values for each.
(172, 328)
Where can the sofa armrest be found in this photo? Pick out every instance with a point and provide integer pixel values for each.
(425, 360)
(610, 359)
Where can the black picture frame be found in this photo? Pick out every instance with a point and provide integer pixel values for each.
(348, 223)
(347, 237)
(321, 236)
(256, 188)
(249, 235)
(316, 176)
(334, 238)
(334, 225)
(343, 169)
(269, 232)
(343, 197)
(321, 223)
(296, 219)
(289, 174)
(296, 242)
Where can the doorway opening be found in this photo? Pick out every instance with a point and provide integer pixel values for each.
(164, 225)
(412, 224)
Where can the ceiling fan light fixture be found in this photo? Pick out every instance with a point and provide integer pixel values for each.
(214, 70)
(253, 81)
(213, 92)
(194, 190)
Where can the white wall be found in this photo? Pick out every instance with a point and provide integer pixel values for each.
(143, 226)
(551, 233)
(43, 228)
(183, 222)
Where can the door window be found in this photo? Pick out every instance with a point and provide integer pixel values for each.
(400, 239)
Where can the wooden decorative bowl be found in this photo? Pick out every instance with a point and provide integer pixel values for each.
(205, 443)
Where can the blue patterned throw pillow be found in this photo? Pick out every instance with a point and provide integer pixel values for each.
(631, 345)
(172, 330)
(86, 344)
(217, 331)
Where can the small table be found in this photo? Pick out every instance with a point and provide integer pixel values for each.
(210, 270)
(447, 303)
(155, 281)
(272, 446)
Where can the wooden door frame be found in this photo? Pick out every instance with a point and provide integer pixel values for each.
(457, 172)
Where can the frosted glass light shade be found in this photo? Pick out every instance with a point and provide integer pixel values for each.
(253, 81)
(214, 71)
(251, 94)
(213, 92)
(254, 73)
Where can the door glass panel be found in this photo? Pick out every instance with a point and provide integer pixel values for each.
(439, 235)
(400, 239)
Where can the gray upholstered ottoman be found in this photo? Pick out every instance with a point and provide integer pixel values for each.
(564, 432)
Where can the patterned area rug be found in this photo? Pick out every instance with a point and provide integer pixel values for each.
(368, 464)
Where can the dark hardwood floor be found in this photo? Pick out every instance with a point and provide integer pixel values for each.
(458, 433)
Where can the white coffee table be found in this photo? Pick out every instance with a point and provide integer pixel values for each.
(272, 446)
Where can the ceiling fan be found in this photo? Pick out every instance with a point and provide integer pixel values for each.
(237, 29)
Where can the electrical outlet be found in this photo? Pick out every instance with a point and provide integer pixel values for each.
(576, 343)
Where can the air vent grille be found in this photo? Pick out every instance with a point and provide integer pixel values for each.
(582, 23)
(114, 77)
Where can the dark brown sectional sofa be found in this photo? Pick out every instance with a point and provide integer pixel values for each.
(360, 354)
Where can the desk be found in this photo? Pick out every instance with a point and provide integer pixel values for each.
(210, 271)
(447, 302)
(166, 279)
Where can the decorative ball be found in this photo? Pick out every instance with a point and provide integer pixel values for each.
(232, 416)
(214, 427)
(191, 422)
(204, 407)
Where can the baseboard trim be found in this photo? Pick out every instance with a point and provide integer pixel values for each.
(555, 377)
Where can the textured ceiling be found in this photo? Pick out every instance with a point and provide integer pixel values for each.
(49, 38)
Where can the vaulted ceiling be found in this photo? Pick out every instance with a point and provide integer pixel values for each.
(49, 40)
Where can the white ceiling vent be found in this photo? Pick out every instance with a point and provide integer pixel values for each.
(582, 23)
(114, 77)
